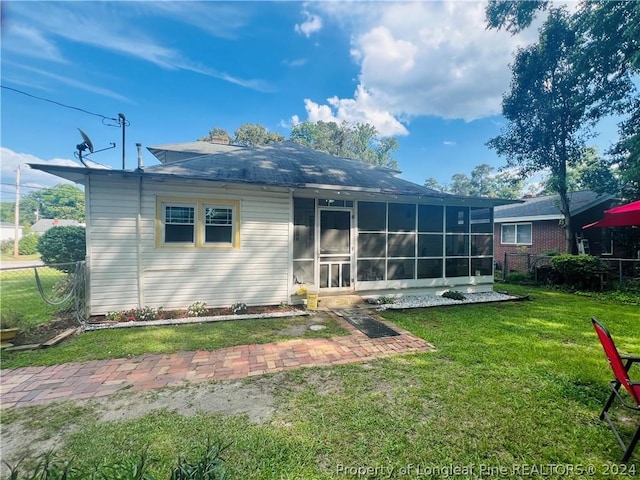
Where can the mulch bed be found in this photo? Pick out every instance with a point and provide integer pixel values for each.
(45, 331)
(210, 312)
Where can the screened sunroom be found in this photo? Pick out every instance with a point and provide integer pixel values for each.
(375, 245)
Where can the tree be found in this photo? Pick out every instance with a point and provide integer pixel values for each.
(359, 141)
(434, 184)
(609, 33)
(216, 134)
(626, 154)
(254, 134)
(550, 108)
(482, 183)
(62, 201)
(591, 172)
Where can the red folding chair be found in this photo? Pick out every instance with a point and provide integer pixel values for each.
(621, 373)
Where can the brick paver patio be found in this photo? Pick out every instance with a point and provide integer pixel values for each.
(38, 385)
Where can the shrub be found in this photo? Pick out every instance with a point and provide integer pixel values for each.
(6, 247)
(63, 245)
(239, 308)
(578, 271)
(28, 244)
(197, 309)
(453, 295)
(134, 315)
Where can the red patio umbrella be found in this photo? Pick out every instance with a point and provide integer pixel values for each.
(622, 216)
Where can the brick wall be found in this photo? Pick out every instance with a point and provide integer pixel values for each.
(545, 235)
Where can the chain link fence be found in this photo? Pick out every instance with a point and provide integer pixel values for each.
(620, 270)
(30, 296)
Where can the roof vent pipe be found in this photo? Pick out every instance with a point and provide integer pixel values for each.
(140, 164)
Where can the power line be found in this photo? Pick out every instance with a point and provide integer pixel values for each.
(104, 117)
(25, 186)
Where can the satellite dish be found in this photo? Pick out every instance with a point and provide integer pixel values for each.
(86, 144)
(87, 141)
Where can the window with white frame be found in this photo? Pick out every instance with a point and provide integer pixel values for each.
(218, 224)
(179, 224)
(197, 223)
(516, 234)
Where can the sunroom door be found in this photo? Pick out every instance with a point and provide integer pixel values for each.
(335, 249)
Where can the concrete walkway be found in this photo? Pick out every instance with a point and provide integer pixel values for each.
(38, 385)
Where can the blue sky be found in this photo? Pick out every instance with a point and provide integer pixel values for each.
(426, 72)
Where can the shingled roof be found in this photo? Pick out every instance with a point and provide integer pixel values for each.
(288, 164)
(281, 165)
(548, 207)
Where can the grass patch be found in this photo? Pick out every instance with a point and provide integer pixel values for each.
(512, 384)
(120, 343)
(20, 299)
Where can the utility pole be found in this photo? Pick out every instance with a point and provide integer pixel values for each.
(16, 240)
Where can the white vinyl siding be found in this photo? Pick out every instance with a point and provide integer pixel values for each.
(255, 272)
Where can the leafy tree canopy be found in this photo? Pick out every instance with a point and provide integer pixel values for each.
(483, 182)
(254, 134)
(248, 134)
(550, 107)
(591, 172)
(359, 141)
(608, 57)
(63, 201)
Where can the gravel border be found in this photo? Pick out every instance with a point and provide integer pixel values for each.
(415, 301)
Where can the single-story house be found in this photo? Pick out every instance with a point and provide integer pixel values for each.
(253, 225)
(536, 225)
(45, 224)
(8, 231)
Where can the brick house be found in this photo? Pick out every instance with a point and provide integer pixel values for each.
(536, 225)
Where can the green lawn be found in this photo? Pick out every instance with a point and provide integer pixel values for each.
(513, 390)
(119, 343)
(19, 297)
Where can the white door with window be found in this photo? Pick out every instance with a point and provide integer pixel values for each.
(335, 249)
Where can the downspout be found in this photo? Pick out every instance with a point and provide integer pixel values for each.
(140, 270)
(89, 241)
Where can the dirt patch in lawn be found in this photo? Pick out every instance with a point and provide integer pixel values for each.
(45, 331)
(254, 399)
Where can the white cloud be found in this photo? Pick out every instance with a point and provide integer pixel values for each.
(296, 62)
(421, 59)
(449, 143)
(361, 109)
(71, 81)
(113, 26)
(312, 24)
(26, 40)
(29, 178)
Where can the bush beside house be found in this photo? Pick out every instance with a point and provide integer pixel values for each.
(62, 245)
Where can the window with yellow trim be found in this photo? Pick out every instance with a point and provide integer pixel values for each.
(198, 223)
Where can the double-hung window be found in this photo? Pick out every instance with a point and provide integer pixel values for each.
(197, 223)
(179, 224)
(516, 234)
(218, 224)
